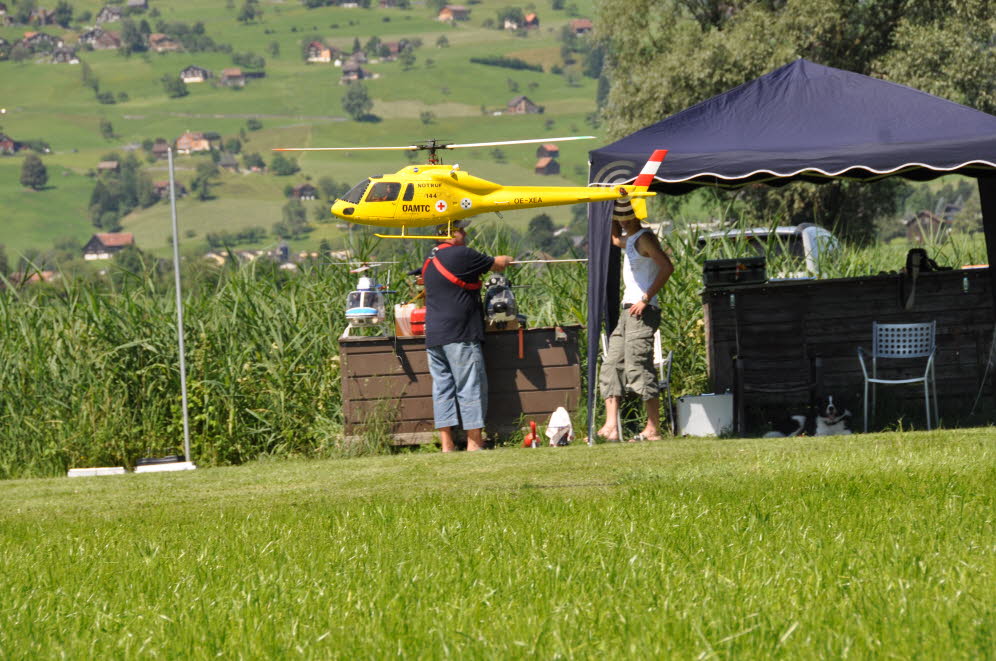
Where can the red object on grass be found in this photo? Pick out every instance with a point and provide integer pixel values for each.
(532, 438)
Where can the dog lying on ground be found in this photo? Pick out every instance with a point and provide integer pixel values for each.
(828, 420)
(831, 420)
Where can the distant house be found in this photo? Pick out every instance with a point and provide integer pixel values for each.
(521, 105)
(100, 39)
(161, 189)
(162, 43)
(925, 226)
(7, 144)
(64, 55)
(352, 71)
(194, 74)
(394, 48)
(138, 5)
(32, 277)
(107, 166)
(581, 25)
(191, 142)
(553, 151)
(42, 17)
(319, 52)
(103, 246)
(547, 165)
(529, 21)
(388, 4)
(451, 13)
(305, 192)
(160, 149)
(40, 42)
(109, 14)
(227, 162)
(232, 77)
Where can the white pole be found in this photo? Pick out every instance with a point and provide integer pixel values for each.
(179, 309)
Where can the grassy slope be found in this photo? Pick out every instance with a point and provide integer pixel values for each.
(300, 105)
(859, 547)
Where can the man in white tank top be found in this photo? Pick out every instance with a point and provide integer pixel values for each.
(629, 361)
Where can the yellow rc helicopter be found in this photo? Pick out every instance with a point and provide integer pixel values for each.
(433, 194)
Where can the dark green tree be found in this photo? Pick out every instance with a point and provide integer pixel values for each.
(19, 53)
(662, 57)
(250, 12)
(203, 180)
(295, 221)
(130, 259)
(372, 47)
(33, 172)
(282, 166)
(332, 189)
(4, 263)
(106, 129)
(174, 86)
(63, 14)
(407, 59)
(253, 160)
(357, 102)
(132, 39)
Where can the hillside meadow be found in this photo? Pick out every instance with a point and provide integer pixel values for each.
(869, 546)
(299, 104)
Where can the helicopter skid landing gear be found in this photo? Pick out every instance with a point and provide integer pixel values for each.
(432, 237)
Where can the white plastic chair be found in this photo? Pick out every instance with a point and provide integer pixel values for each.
(902, 341)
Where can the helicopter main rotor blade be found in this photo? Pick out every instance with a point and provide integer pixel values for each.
(409, 147)
(518, 142)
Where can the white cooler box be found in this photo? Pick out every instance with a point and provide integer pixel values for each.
(705, 415)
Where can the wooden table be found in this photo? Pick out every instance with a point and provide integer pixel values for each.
(386, 381)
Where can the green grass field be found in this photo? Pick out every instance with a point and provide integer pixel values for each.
(869, 546)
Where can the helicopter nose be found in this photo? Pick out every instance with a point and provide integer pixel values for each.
(342, 209)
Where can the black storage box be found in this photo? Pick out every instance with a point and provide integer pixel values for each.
(737, 271)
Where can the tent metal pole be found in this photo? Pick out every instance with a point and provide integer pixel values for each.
(179, 308)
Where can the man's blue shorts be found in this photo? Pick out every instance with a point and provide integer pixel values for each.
(459, 385)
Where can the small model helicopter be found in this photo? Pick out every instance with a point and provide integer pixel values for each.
(433, 194)
(365, 307)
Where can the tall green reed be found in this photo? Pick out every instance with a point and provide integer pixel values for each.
(89, 369)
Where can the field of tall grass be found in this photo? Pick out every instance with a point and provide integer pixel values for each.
(870, 546)
(89, 368)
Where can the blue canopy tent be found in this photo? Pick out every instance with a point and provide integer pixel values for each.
(801, 122)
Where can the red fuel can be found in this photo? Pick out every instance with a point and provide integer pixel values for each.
(418, 321)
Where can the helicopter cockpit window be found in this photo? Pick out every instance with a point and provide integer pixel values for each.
(354, 300)
(384, 191)
(409, 193)
(355, 193)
